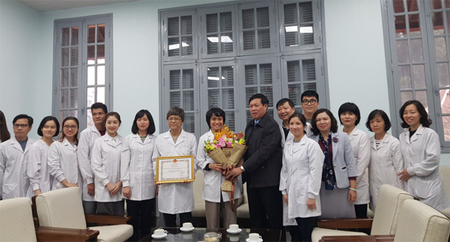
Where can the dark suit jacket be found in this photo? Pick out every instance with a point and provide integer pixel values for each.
(262, 161)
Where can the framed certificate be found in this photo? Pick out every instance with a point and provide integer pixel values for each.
(173, 169)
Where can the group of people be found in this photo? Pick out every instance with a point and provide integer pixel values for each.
(295, 172)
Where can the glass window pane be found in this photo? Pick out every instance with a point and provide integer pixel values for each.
(173, 26)
(249, 40)
(446, 124)
(74, 56)
(73, 113)
(65, 77)
(249, 91)
(290, 13)
(101, 75)
(188, 79)
(64, 56)
(447, 15)
(402, 51)
(419, 76)
(268, 92)
(226, 22)
(421, 96)
(212, 23)
(414, 25)
(227, 76)
(404, 73)
(406, 96)
(263, 38)
(74, 77)
(175, 77)
(310, 86)
(186, 25)
(306, 34)
(74, 39)
(188, 101)
(436, 4)
(442, 72)
(250, 75)
(73, 98)
(100, 54)
(189, 123)
(438, 23)
(265, 74)
(291, 38)
(213, 77)
(249, 116)
(227, 42)
(89, 122)
(230, 121)
(293, 71)
(91, 34)
(228, 98)
(305, 12)
(445, 100)
(175, 99)
(91, 75)
(63, 115)
(174, 46)
(91, 55)
(248, 18)
(412, 6)
(64, 98)
(213, 43)
(90, 96)
(400, 26)
(100, 33)
(441, 48)
(65, 36)
(416, 50)
(398, 6)
(186, 46)
(101, 94)
(213, 98)
(262, 15)
(309, 70)
(294, 93)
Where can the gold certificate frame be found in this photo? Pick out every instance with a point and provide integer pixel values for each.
(174, 169)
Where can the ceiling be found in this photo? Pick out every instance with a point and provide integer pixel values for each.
(52, 5)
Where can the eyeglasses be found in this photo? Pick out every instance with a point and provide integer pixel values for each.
(70, 126)
(312, 101)
(16, 126)
(174, 119)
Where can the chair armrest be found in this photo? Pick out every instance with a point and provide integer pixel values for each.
(355, 223)
(361, 238)
(64, 234)
(105, 219)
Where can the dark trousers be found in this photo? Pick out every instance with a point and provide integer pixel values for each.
(295, 233)
(141, 217)
(266, 208)
(361, 210)
(170, 220)
(90, 207)
(111, 208)
(306, 226)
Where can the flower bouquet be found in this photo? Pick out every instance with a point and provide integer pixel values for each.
(226, 149)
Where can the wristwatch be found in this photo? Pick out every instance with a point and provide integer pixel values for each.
(242, 168)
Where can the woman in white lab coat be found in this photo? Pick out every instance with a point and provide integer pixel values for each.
(36, 159)
(386, 159)
(300, 177)
(216, 201)
(105, 163)
(62, 156)
(175, 198)
(349, 116)
(421, 154)
(137, 173)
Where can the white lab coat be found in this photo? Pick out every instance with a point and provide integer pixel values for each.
(137, 167)
(213, 180)
(301, 176)
(14, 181)
(286, 220)
(421, 156)
(386, 162)
(105, 163)
(175, 198)
(63, 163)
(361, 152)
(38, 170)
(85, 145)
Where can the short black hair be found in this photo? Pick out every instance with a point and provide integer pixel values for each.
(99, 105)
(177, 112)
(334, 126)
(352, 108)
(44, 121)
(218, 112)
(383, 115)
(424, 119)
(21, 116)
(285, 100)
(261, 96)
(151, 126)
(310, 93)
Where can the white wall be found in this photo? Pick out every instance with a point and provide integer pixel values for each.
(354, 45)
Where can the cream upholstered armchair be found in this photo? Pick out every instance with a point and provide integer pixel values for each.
(63, 208)
(385, 219)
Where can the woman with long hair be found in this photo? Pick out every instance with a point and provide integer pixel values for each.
(137, 173)
(37, 166)
(421, 151)
(62, 156)
(4, 133)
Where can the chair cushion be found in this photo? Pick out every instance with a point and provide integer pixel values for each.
(199, 202)
(61, 208)
(389, 204)
(420, 222)
(16, 220)
(318, 233)
(114, 233)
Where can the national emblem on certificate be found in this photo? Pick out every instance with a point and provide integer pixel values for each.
(173, 169)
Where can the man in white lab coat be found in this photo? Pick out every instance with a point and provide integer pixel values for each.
(13, 179)
(85, 145)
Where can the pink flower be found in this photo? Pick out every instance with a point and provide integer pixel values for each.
(221, 142)
(229, 144)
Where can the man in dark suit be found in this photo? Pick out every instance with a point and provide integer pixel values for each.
(262, 165)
